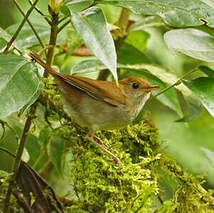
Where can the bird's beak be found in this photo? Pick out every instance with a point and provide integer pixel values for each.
(150, 88)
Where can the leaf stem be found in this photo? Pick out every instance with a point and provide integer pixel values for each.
(20, 27)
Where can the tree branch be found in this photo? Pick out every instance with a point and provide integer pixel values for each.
(19, 154)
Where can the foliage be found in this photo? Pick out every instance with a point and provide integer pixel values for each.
(86, 38)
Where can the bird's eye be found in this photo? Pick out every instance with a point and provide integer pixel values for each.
(135, 85)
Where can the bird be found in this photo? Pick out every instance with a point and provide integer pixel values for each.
(100, 105)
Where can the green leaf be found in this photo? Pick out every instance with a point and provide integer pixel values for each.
(33, 99)
(77, 6)
(209, 154)
(87, 66)
(203, 88)
(138, 39)
(92, 27)
(191, 107)
(177, 13)
(18, 83)
(136, 56)
(64, 10)
(207, 70)
(191, 42)
(56, 149)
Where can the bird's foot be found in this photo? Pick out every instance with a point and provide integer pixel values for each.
(100, 144)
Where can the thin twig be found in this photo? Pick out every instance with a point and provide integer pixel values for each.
(62, 19)
(40, 12)
(19, 155)
(20, 27)
(63, 26)
(175, 84)
(28, 21)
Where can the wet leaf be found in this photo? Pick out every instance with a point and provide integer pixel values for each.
(92, 27)
(192, 42)
(203, 88)
(177, 13)
(18, 83)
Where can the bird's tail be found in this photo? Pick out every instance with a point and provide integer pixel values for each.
(37, 58)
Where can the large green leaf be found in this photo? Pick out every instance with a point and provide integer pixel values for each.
(203, 88)
(177, 13)
(192, 42)
(18, 84)
(92, 27)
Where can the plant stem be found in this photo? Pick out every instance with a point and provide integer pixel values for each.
(28, 21)
(19, 155)
(52, 41)
(50, 55)
(20, 27)
(176, 83)
(124, 20)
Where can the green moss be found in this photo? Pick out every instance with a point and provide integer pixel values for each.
(102, 186)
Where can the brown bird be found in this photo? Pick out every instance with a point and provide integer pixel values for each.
(100, 104)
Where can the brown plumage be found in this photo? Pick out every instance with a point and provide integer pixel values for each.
(101, 104)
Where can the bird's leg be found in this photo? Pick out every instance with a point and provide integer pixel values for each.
(99, 140)
(92, 138)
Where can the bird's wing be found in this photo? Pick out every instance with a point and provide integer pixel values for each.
(100, 90)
